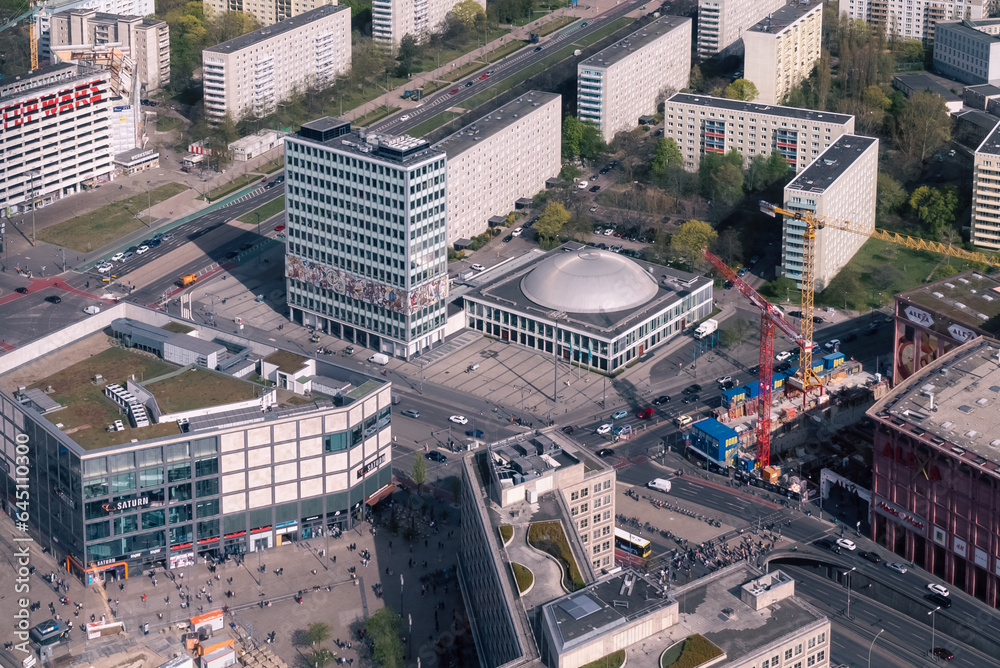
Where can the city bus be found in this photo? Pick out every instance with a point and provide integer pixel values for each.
(632, 544)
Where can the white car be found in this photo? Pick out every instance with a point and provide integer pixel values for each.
(141, 249)
(832, 344)
(517, 232)
(593, 209)
(478, 267)
(892, 565)
(117, 257)
(938, 589)
(724, 380)
(101, 268)
(782, 356)
(608, 232)
(459, 419)
(846, 544)
(604, 429)
(582, 185)
(404, 117)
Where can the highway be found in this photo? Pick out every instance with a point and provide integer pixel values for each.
(437, 103)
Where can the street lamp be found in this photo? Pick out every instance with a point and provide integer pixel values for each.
(931, 613)
(149, 205)
(848, 573)
(873, 647)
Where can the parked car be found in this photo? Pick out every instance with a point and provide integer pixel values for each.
(593, 209)
(410, 412)
(870, 556)
(507, 239)
(478, 267)
(582, 185)
(754, 260)
(568, 429)
(435, 456)
(782, 356)
(128, 256)
(117, 257)
(517, 232)
(459, 419)
(594, 189)
(662, 399)
(618, 415)
(743, 271)
(895, 566)
(142, 249)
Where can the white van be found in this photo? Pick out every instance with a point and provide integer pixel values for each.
(659, 484)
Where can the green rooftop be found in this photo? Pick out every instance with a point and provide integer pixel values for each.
(286, 362)
(193, 387)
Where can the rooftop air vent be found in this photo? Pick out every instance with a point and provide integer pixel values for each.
(947, 425)
(972, 433)
(950, 285)
(963, 280)
(995, 443)
(938, 295)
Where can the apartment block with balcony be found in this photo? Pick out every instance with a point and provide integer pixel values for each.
(268, 12)
(392, 19)
(500, 158)
(912, 19)
(964, 52)
(621, 83)
(781, 50)
(145, 41)
(701, 123)
(56, 137)
(721, 23)
(838, 186)
(986, 193)
(251, 74)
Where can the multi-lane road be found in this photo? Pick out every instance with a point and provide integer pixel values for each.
(509, 66)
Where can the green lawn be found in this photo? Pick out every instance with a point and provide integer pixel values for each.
(613, 660)
(264, 211)
(525, 20)
(433, 60)
(597, 36)
(168, 123)
(374, 115)
(101, 227)
(433, 123)
(556, 24)
(523, 576)
(196, 388)
(878, 271)
(272, 166)
(691, 652)
(227, 188)
(506, 532)
(549, 537)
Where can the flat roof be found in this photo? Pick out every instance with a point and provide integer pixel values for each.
(642, 37)
(968, 298)
(404, 150)
(43, 77)
(263, 34)
(831, 163)
(604, 605)
(494, 122)
(715, 429)
(725, 104)
(964, 420)
(981, 119)
(504, 291)
(967, 29)
(991, 144)
(986, 90)
(925, 81)
(785, 16)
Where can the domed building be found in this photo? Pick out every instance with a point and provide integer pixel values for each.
(604, 309)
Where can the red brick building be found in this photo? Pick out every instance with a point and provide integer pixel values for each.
(936, 468)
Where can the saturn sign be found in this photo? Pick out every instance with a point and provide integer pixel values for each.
(128, 504)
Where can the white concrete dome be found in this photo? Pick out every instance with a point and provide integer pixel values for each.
(589, 280)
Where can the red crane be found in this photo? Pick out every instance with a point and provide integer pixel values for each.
(770, 316)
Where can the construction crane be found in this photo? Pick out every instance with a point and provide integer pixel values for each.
(770, 316)
(813, 223)
(36, 7)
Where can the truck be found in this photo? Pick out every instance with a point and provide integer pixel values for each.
(379, 358)
(706, 328)
(187, 280)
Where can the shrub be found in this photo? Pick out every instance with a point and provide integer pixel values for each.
(550, 538)
(691, 652)
(523, 576)
(506, 532)
(613, 660)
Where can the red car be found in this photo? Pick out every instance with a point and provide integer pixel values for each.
(485, 76)
(645, 413)
(279, 228)
(453, 91)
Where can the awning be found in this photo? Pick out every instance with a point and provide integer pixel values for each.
(381, 494)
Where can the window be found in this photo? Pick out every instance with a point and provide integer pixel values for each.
(207, 487)
(821, 655)
(151, 477)
(180, 492)
(180, 513)
(207, 466)
(788, 652)
(95, 488)
(98, 530)
(208, 529)
(178, 472)
(154, 518)
(812, 643)
(126, 524)
(124, 482)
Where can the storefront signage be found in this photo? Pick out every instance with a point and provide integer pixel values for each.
(105, 562)
(981, 559)
(124, 107)
(892, 510)
(371, 466)
(135, 555)
(940, 536)
(128, 504)
(960, 546)
(311, 518)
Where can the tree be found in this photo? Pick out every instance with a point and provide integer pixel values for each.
(580, 228)
(823, 79)
(227, 26)
(728, 246)
(922, 126)
(891, 196)
(781, 288)
(659, 251)
(736, 332)
(695, 81)
(935, 207)
(419, 471)
(318, 633)
(765, 171)
(321, 658)
(668, 156)
(572, 135)
(591, 142)
(551, 220)
(741, 89)
(690, 240)
(383, 628)
(868, 108)
(466, 13)
(408, 51)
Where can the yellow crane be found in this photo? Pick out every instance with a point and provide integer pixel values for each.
(813, 223)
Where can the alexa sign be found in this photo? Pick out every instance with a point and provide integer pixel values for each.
(127, 504)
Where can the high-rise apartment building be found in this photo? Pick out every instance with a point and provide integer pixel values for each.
(781, 50)
(838, 186)
(392, 19)
(500, 158)
(121, 7)
(964, 52)
(721, 23)
(366, 256)
(268, 12)
(912, 19)
(621, 83)
(145, 41)
(935, 498)
(252, 73)
(703, 124)
(986, 192)
(56, 134)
